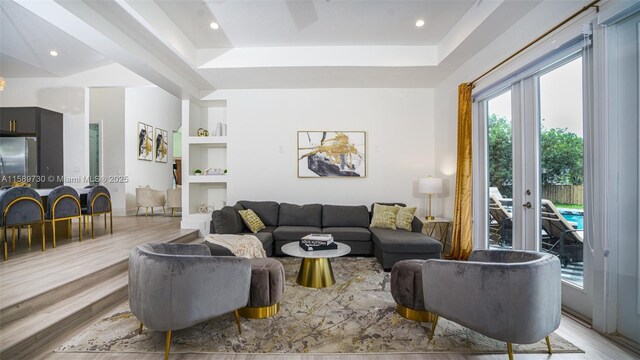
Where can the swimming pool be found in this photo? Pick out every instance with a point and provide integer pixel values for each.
(574, 216)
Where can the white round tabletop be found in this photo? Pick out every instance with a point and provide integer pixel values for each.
(294, 249)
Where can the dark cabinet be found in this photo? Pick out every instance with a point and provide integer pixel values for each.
(18, 121)
(47, 127)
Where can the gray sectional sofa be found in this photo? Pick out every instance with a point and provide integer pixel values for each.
(286, 223)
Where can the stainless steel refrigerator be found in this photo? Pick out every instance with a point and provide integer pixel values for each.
(18, 160)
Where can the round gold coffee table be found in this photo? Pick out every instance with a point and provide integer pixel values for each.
(315, 270)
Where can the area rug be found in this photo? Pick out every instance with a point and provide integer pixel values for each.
(355, 315)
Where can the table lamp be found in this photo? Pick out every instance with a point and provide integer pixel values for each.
(430, 186)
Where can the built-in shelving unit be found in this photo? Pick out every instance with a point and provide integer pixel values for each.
(208, 179)
(203, 153)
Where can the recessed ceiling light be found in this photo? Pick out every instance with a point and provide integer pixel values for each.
(214, 25)
(53, 53)
(420, 23)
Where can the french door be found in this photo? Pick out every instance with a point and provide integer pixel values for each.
(531, 157)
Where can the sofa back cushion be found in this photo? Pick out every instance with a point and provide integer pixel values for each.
(300, 215)
(339, 215)
(228, 221)
(267, 211)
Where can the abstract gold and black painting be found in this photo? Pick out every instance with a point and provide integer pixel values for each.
(332, 154)
(145, 145)
(161, 140)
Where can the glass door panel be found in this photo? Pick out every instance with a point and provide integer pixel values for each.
(94, 153)
(561, 167)
(500, 161)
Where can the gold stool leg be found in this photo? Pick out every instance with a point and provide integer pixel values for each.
(137, 210)
(167, 345)
(152, 211)
(110, 222)
(140, 328)
(29, 235)
(510, 350)
(80, 228)
(164, 211)
(105, 221)
(13, 239)
(69, 228)
(173, 210)
(548, 344)
(316, 273)
(238, 322)
(146, 211)
(93, 235)
(433, 327)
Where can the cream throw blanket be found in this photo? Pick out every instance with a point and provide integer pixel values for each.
(247, 246)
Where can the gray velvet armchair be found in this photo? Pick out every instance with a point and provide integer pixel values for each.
(175, 286)
(511, 296)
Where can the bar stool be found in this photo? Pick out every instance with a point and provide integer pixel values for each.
(98, 203)
(63, 203)
(20, 206)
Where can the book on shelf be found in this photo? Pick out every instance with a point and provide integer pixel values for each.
(308, 247)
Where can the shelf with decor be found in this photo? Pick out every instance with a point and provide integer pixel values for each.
(204, 179)
(204, 151)
(204, 198)
(216, 141)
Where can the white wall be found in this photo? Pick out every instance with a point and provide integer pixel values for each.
(262, 131)
(152, 106)
(106, 107)
(68, 96)
(541, 18)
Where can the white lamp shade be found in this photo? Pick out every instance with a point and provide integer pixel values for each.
(430, 185)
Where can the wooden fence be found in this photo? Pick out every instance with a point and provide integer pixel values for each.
(565, 194)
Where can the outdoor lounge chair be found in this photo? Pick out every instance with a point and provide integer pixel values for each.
(500, 227)
(561, 238)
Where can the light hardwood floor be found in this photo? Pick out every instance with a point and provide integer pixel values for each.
(28, 273)
(47, 297)
(595, 346)
(31, 278)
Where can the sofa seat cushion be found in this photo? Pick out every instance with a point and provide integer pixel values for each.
(267, 211)
(300, 215)
(348, 233)
(294, 233)
(403, 241)
(339, 215)
(265, 236)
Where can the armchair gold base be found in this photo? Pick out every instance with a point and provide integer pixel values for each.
(415, 315)
(434, 323)
(167, 345)
(259, 312)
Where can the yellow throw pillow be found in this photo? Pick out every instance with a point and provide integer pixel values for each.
(252, 220)
(384, 216)
(405, 217)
